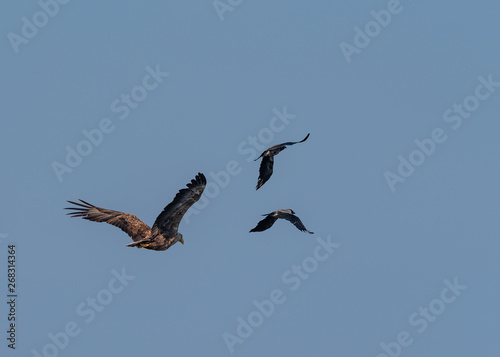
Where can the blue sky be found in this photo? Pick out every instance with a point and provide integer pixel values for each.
(121, 104)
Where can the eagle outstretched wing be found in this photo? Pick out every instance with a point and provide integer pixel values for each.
(127, 222)
(168, 220)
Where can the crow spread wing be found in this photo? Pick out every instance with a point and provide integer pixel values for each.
(276, 149)
(127, 222)
(265, 171)
(292, 142)
(266, 223)
(296, 221)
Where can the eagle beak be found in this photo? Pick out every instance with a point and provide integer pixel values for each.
(182, 240)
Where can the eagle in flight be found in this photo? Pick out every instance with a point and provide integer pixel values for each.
(266, 166)
(164, 233)
(272, 217)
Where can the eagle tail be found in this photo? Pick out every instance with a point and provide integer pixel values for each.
(140, 243)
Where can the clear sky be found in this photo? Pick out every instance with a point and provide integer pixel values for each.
(122, 103)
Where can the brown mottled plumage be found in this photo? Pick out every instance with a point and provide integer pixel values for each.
(164, 233)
